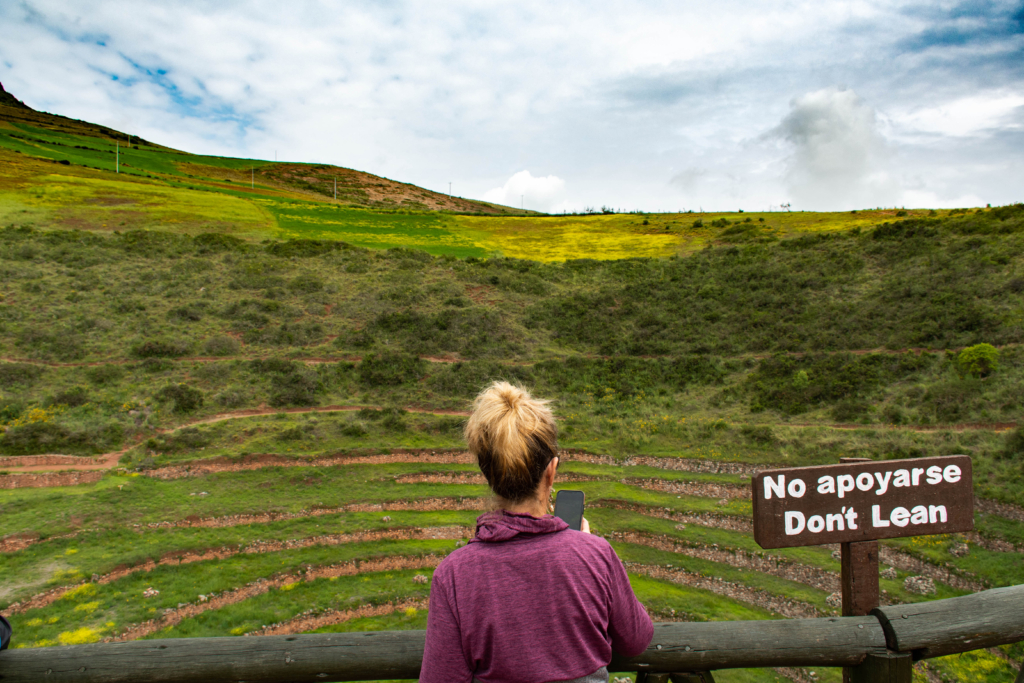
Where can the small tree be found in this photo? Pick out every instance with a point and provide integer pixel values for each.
(979, 360)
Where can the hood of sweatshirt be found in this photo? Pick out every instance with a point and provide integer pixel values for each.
(501, 525)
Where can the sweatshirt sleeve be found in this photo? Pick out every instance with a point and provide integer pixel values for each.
(629, 625)
(443, 660)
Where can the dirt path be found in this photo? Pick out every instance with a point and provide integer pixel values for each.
(258, 547)
(917, 350)
(794, 609)
(311, 621)
(205, 603)
(810, 575)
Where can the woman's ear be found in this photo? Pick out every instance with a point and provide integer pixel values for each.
(549, 472)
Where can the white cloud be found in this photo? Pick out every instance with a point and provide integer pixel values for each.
(965, 116)
(523, 190)
(838, 154)
(619, 97)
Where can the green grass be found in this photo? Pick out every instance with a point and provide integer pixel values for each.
(739, 339)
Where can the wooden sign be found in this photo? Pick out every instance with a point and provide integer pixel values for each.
(863, 501)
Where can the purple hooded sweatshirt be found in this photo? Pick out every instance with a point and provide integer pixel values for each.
(530, 600)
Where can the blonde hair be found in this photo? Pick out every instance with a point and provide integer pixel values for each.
(513, 437)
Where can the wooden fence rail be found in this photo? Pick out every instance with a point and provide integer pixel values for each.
(880, 646)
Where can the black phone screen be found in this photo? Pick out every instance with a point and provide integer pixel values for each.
(569, 507)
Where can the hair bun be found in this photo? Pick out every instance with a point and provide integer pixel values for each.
(513, 436)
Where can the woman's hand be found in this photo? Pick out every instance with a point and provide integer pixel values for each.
(585, 527)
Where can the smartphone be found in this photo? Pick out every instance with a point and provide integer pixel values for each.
(569, 507)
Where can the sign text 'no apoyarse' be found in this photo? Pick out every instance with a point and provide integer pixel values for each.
(863, 501)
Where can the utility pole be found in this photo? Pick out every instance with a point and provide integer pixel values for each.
(335, 188)
(522, 202)
(449, 189)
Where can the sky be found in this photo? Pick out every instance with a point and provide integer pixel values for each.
(653, 106)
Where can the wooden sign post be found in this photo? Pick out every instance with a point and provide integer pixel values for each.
(857, 502)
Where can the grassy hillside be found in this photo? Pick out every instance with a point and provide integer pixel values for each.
(245, 418)
(59, 172)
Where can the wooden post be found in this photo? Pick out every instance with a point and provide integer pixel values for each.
(889, 667)
(1020, 676)
(693, 677)
(859, 579)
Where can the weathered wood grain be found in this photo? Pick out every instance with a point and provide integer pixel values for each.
(930, 629)
(834, 641)
(941, 627)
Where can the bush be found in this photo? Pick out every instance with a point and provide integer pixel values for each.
(390, 369)
(72, 398)
(291, 383)
(49, 437)
(62, 344)
(18, 373)
(287, 334)
(1014, 447)
(186, 399)
(221, 346)
(187, 313)
(307, 283)
(160, 349)
(354, 429)
(760, 434)
(980, 360)
(183, 440)
(154, 365)
(104, 374)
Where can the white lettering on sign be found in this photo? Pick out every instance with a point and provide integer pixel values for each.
(779, 488)
(847, 483)
(901, 516)
(797, 488)
(796, 522)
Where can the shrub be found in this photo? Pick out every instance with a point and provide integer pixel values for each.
(469, 378)
(186, 399)
(354, 429)
(390, 369)
(62, 344)
(850, 410)
(759, 434)
(155, 348)
(183, 440)
(306, 248)
(980, 360)
(216, 242)
(287, 334)
(104, 374)
(1014, 446)
(50, 437)
(72, 398)
(307, 283)
(231, 398)
(154, 365)
(291, 383)
(221, 346)
(18, 373)
(187, 313)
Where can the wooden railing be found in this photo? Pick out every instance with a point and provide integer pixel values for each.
(879, 647)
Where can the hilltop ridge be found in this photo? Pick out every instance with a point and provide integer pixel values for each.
(9, 100)
(354, 188)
